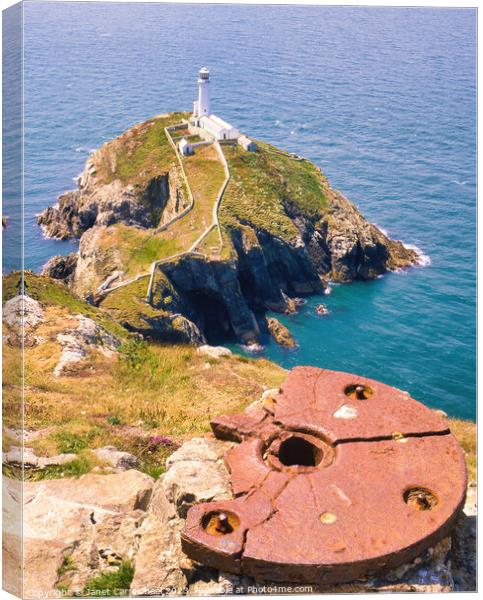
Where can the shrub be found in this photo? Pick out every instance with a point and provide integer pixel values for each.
(115, 583)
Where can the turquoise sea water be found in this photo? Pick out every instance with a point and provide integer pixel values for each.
(383, 100)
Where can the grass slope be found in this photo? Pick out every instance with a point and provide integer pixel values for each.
(139, 154)
(262, 182)
(126, 400)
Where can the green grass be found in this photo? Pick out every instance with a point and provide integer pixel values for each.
(138, 363)
(115, 583)
(154, 471)
(140, 154)
(68, 442)
(262, 182)
(50, 292)
(75, 468)
(128, 305)
(140, 248)
(303, 182)
(66, 566)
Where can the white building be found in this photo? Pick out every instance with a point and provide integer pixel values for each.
(247, 143)
(219, 129)
(201, 106)
(185, 147)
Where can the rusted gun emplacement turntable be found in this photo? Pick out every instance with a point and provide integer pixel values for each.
(335, 478)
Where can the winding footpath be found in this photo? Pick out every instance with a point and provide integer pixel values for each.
(105, 287)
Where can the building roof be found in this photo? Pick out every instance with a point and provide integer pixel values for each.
(220, 122)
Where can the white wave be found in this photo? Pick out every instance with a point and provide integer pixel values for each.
(328, 290)
(459, 182)
(381, 229)
(45, 235)
(253, 348)
(423, 259)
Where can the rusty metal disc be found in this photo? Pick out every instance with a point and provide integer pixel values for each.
(336, 478)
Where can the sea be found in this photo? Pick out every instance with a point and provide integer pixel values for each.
(382, 99)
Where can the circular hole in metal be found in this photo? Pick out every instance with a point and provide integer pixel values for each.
(358, 391)
(220, 522)
(296, 451)
(420, 498)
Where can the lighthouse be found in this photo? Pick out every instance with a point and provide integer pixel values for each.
(201, 107)
(209, 126)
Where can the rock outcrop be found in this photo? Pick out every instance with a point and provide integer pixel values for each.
(22, 315)
(280, 333)
(61, 267)
(79, 342)
(74, 529)
(103, 197)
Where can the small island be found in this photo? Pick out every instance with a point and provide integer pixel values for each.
(190, 231)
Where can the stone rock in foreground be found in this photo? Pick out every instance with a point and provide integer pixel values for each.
(22, 315)
(116, 458)
(78, 343)
(18, 456)
(74, 529)
(77, 528)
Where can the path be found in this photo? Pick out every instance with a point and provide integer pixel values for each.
(200, 204)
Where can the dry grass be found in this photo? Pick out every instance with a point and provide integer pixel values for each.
(123, 400)
(147, 390)
(466, 433)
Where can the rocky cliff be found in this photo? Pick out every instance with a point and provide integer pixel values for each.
(285, 233)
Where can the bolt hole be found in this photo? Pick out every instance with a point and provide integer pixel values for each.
(358, 391)
(295, 451)
(420, 498)
(220, 522)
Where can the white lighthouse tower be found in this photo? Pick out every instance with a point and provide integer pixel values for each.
(210, 126)
(201, 107)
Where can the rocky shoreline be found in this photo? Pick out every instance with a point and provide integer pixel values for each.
(259, 271)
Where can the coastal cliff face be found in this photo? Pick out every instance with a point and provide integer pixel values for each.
(109, 193)
(285, 233)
